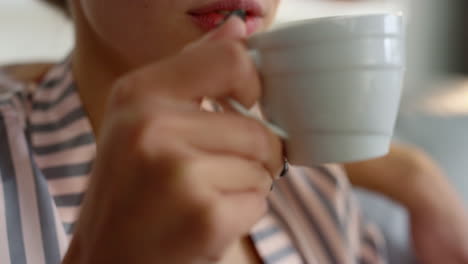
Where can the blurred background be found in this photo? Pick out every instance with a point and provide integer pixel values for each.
(30, 31)
(434, 109)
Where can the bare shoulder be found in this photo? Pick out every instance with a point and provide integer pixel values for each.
(30, 72)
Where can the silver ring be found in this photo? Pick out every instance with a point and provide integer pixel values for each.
(285, 170)
(283, 173)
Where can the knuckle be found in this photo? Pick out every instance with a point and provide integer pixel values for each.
(241, 72)
(263, 207)
(208, 220)
(151, 136)
(239, 65)
(234, 52)
(258, 138)
(464, 253)
(124, 90)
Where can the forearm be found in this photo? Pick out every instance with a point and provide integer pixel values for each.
(405, 175)
(437, 215)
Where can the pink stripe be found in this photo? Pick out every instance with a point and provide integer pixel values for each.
(68, 185)
(374, 233)
(50, 95)
(55, 72)
(68, 214)
(324, 220)
(291, 259)
(265, 223)
(341, 177)
(307, 242)
(57, 112)
(58, 136)
(273, 243)
(353, 229)
(72, 156)
(30, 222)
(339, 172)
(20, 112)
(4, 245)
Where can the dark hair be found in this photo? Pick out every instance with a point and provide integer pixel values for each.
(61, 4)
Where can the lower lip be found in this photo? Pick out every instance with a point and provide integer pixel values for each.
(208, 22)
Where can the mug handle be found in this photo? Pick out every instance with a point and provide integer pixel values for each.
(255, 55)
(238, 107)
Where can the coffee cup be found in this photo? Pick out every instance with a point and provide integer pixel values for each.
(333, 85)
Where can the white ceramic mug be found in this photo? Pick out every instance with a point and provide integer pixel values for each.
(333, 84)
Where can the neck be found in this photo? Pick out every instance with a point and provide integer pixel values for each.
(95, 69)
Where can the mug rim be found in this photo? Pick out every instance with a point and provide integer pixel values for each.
(333, 28)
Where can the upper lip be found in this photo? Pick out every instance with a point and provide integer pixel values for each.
(251, 7)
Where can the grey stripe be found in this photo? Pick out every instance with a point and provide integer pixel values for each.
(53, 83)
(280, 254)
(9, 100)
(10, 190)
(285, 225)
(80, 140)
(349, 204)
(69, 199)
(50, 84)
(313, 222)
(68, 119)
(47, 219)
(328, 174)
(261, 235)
(43, 106)
(67, 171)
(326, 202)
(69, 227)
(347, 212)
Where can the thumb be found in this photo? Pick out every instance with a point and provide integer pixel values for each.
(233, 28)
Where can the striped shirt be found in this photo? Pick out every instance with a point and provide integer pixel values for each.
(47, 149)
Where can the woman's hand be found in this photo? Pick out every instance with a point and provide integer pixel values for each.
(171, 183)
(437, 215)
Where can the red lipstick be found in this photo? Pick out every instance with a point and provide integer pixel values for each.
(211, 16)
